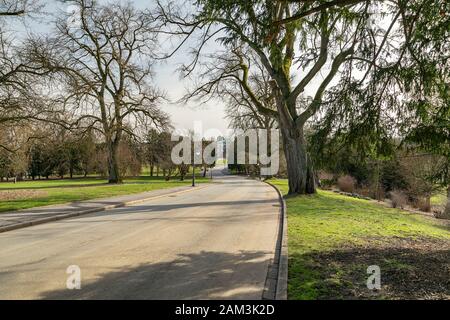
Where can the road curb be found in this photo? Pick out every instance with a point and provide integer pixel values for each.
(21, 225)
(277, 276)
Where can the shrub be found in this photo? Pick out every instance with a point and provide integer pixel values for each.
(442, 214)
(326, 183)
(373, 190)
(398, 199)
(423, 204)
(346, 183)
(364, 191)
(392, 177)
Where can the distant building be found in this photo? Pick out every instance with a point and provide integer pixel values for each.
(221, 147)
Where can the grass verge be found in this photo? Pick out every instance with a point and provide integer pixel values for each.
(29, 194)
(333, 239)
(439, 199)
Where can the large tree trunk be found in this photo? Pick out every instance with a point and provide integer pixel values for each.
(446, 214)
(113, 164)
(299, 165)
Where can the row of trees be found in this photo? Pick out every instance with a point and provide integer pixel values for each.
(158, 154)
(56, 152)
(60, 153)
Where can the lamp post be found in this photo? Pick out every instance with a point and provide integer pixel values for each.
(193, 169)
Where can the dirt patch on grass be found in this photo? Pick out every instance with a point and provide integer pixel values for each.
(410, 269)
(6, 195)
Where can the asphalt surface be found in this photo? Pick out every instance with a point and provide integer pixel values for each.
(211, 243)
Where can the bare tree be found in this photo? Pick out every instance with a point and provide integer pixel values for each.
(221, 79)
(106, 67)
(242, 112)
(12, 7)
(20, 85)
(422, 174)
(18, 8)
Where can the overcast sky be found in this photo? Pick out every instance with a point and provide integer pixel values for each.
(211, 115)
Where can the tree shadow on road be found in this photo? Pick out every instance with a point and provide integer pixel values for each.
(207, 275)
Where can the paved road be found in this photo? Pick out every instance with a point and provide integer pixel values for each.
(211, 243)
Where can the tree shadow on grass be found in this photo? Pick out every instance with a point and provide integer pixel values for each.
(206, 275)
(62, 186)
(410, 269)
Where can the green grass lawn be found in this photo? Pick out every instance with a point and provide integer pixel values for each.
(334, 238)
(41, 184)
(439, 199)
(28, 194)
